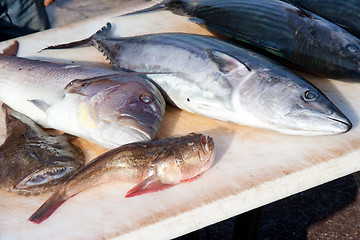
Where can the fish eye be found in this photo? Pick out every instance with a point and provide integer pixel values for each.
(145, 99)
(309, 96)
(352, 48)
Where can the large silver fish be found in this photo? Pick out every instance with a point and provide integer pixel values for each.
(104, 106)
(31, 160)
(217, 79)
(154, 166)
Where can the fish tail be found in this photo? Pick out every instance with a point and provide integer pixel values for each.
(159, 6)
(11, 50)
(48, 207)
(85, 42)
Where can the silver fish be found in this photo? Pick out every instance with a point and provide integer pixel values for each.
(217, 79)
(32, 161)
(104, 106)
(154, 166)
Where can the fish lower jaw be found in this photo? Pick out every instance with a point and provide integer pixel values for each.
(122, 138)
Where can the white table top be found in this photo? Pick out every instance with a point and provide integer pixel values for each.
(253, 167)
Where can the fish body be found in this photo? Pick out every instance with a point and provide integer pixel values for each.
(32, 161)
(343, 13)
(154, 166)
(211, 77)
(303, 38)
(101, 105)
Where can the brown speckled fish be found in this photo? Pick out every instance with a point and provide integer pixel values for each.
(153, 166)
(31, 160)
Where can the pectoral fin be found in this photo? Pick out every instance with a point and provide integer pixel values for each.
(42, 105)
(150, 184)
(227, 63)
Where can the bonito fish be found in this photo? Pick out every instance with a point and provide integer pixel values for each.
(31, 160)
(104, 106)
(155, 165)
(299, 36)
(214, 78)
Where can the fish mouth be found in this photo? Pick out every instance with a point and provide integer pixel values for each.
(44, 176)
(143, 130)
(347, 125)
(316, 123)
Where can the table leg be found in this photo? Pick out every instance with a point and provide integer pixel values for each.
(247, 225)
(357, 178)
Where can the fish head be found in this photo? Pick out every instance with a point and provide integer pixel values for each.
(49, 176)
(321, 39)
(290, 104)
(186, 159)
(125, 112)
(349, 57)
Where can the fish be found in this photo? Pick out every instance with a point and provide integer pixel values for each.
(343, 13)
(211, 77)
(154, 166)
(107, 107)
(302, 38)
(32, 161)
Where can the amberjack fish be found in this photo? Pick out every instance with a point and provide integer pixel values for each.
(214, 78)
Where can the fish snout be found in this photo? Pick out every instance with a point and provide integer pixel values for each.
(341, 122)
(316, 122)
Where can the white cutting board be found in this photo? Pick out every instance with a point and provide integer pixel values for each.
(253, 167)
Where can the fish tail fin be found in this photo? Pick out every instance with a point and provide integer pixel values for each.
(85, 42)
(11, 50)
(159, 6)
(48, 207)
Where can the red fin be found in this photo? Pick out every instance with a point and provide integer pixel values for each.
(48, 207)
(191, 179)
(12, 49)
(150, 184)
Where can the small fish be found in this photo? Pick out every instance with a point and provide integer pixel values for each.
(214, 78)
(110, 108)
(154, 166)
(32, 161)
(343, 13)
(303, 38)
